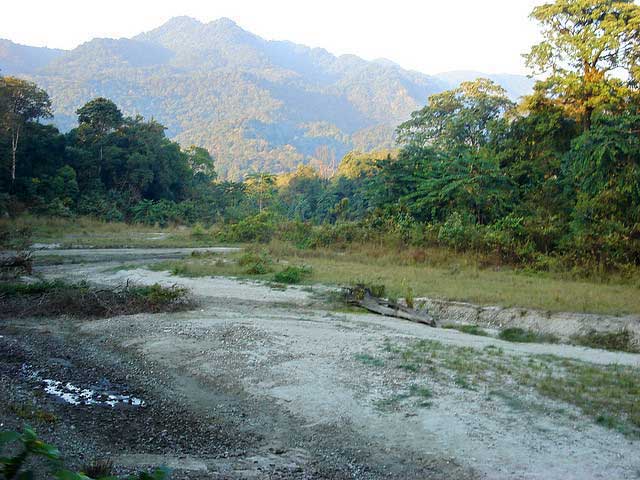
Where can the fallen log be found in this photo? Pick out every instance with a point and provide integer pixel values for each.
(361, 296)
(17, 262)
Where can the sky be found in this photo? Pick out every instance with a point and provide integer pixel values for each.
(430, 36)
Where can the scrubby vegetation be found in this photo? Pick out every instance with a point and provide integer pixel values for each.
(622, 341)
(520, 335)
(57, 297)
(469, 329)
(21, 452)
(292, 274)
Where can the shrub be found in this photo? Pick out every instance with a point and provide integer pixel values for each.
(520, 335)
(198, 231)
(256, 263)
(259, 228)
(621, 341)
(458, 232)
(28, 445)
(292, 274)
(468, 329)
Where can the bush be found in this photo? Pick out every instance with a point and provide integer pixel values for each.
(28, 445)
(621, 341)
(468, 329)
(292, 274)
(198, 231)
(458, 232)
(520, 335)
(259, 228)
(256, 263)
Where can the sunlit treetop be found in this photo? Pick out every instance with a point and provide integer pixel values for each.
(589, 53)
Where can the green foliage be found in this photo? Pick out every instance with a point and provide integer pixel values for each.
(292, 274)
(30, 447)
(621, 341)
(461, 118)
(521, 185)
(258, 228)
(256, 263)
(584, 41)
(468, 329)
(521, 335)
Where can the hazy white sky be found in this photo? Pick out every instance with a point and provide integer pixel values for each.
(427, 35)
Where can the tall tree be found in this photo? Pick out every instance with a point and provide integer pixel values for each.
(99, 117)
(22, 102)
(260, 184)
(459, 118)
(586, 42)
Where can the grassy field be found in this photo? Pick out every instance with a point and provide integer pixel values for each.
(88, 232)
(410, 271)
(433, 273)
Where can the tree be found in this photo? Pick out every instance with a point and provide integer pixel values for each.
(200, 162)
(99, 117)
(260, 184)
(101, 114)
(459, 118)
(22, 102)
(586, 42)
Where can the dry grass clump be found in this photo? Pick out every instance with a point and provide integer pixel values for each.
(54, 298)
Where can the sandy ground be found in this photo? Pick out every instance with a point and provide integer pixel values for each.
(284, 368)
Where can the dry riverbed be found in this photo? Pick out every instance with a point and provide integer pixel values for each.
(268, 383)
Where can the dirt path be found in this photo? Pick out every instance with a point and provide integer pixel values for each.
(309, 392)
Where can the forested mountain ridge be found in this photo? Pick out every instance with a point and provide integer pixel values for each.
(255, 104)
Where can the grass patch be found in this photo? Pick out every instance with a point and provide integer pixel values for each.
(369, 360)
(92, 233)
(621, 341)
(292, 274)
(53, 298)
(469, 329)
(608, 394)
(440, 273)
(520, 335)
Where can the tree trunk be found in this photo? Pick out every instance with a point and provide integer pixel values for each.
(15, 137)
(362, 297)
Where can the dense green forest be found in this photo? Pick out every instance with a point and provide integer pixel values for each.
(552, 181)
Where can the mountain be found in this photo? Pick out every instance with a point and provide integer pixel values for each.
(21, 59)
(256, 104)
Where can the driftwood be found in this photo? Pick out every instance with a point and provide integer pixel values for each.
(361, 296)
(16, 262)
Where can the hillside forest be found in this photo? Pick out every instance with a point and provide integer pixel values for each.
(549, 182)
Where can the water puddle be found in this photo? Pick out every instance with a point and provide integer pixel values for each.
(74, 395)
(85, 396)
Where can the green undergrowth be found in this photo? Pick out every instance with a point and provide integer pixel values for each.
(621, 341)
(521, 335)
(468, 329)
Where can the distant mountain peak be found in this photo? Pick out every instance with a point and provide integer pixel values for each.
(385, 62)
(225, 22)
(182, 21)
